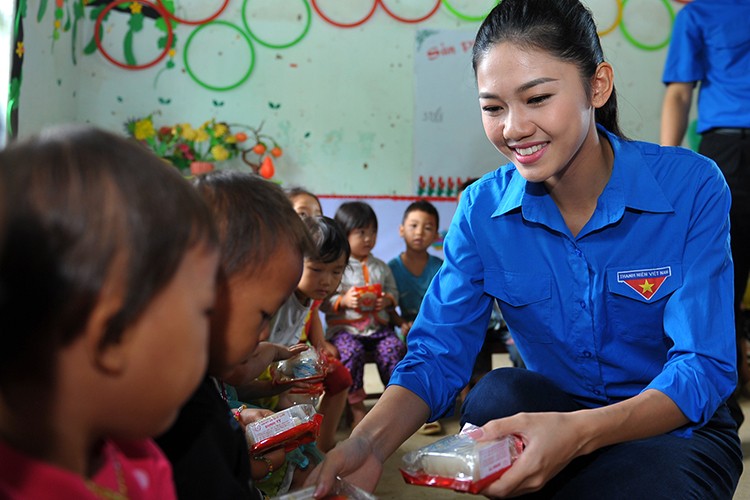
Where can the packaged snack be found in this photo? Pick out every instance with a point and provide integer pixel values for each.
(307, 366)
(341, 490)
(367, 296)
(460, 463)
(306, 395)
(290, 428)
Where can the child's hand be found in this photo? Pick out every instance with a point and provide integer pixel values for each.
(250, 415)
(350, 299)
(263, 464)
(330, 350)
(405, 327)
(289, 352)
(382, 302)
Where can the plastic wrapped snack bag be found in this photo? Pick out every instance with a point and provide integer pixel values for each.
(368, 294)
(340, 491)
(307, 366)
(460, 463)
(290, 428)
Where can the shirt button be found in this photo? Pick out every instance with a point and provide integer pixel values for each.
(597, 392)
(583, 304)
(586, 354)
(578, 252)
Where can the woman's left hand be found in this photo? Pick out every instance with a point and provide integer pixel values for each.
(551, 441)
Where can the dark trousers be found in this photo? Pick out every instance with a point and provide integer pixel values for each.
(706, 465)
(731, 152)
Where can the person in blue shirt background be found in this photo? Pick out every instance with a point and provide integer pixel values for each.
(711, 45)
(610, 262)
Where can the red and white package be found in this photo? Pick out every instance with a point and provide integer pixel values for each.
(460, 463)
(307, 366)
(368, 294)
(290, 428)
(341, 490)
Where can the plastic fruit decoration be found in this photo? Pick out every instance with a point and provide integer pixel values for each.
(266, 168)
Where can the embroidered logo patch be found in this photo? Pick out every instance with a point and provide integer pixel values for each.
(645, 282)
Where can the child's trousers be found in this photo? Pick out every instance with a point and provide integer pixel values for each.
(706, 465)
(387, 348)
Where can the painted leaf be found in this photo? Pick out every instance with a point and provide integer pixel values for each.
(127, 47)
(41, 11)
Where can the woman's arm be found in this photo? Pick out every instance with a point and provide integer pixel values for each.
(394, 418)
(552, 440)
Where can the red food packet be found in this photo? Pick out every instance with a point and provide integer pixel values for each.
(367, 296)
(307, 366)
(290, 428)
(341, 490)
(460, 463)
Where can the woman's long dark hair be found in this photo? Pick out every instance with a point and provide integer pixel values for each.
(563, 28)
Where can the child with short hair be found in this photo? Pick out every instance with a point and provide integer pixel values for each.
(262, 241)
(304, 202)
(109, 263)
(357, 316)
(298, 320)
(414, 269)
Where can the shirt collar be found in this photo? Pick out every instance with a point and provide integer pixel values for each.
(632, 185)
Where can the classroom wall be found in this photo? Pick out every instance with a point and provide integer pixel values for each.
(365, 110)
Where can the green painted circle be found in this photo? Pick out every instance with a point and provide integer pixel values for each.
(641, 45)
(462, 16)
(282, 45)
(215, 87)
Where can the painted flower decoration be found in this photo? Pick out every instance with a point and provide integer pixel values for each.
(182, 143)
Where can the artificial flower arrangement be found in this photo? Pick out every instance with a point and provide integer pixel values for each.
(197, 149)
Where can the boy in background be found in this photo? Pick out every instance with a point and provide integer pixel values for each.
(414, 269)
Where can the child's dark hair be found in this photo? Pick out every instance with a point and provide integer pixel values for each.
(82, 207)
(296, 191)
(564, 28)
(329, 240)
(422, 206)
(356, 215)
(253, 217)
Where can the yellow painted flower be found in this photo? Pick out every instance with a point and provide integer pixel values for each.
(135, 7)
(57, 24)
(230, 139)
(188, 132)
(19, 49)
(201, 135)
(220, 130)
(144, 129)
(172, 52)
(220, 153)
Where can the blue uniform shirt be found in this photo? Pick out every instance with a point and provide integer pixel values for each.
(711, 44)
(641, 298)
(412, 288)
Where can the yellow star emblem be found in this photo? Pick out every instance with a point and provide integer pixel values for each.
(647, 287)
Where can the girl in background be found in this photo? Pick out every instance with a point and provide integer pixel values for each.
(356, 315)
(109, 263)
(304, 202)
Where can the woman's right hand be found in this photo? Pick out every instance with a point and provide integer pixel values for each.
(353, 459)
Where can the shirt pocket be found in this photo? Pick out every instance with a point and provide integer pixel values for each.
(637, 298)
(525, 301)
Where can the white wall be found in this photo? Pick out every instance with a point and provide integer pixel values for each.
(341, 101)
